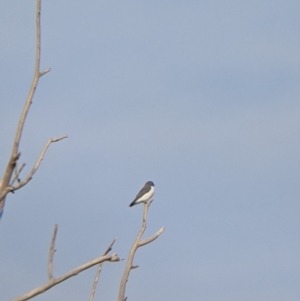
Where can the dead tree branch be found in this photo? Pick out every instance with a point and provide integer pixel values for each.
(17, 174)
(36, 166)
(15, 153)
(153, 237)
(54, 281)
(137, 243)
(15, 149)
(51, 253)
(96, 279)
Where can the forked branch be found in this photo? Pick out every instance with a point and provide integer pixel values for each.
(17, 174)
(137, 243)
(6, 187)
(15, 149)
(54, 281)
(36, 166)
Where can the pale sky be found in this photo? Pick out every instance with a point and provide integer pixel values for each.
(200, 97)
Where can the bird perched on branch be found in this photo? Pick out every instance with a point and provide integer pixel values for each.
(145, 194)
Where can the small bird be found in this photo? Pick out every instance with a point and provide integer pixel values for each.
(145, 194)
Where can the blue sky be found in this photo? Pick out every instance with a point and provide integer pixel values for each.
(202, 98)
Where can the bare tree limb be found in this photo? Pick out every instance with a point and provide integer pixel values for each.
(17, 174)
(51, 253)
(15, 154)
(15, 149)
(54, 281)
(137, 243)
(152, 238)
(96, 279)
(36, 166)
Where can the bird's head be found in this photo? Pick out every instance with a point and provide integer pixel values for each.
(150, 183)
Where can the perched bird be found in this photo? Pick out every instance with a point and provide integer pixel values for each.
(145, 194)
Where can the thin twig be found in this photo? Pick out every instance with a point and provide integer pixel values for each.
(51, 253)
(17, 174)
(137, 243)
(96, 279)
(45, 72)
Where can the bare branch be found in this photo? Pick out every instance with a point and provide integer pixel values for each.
(51, 253)
(15, 154)
(96, 279)
(137, 243)
(109, 248)
(36, 166)
(34, 82)
(15, 149)
(45, 71)
(54, 281)
(152, 238)
(17, 174)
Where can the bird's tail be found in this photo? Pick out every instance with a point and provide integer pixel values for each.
(132, 204)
